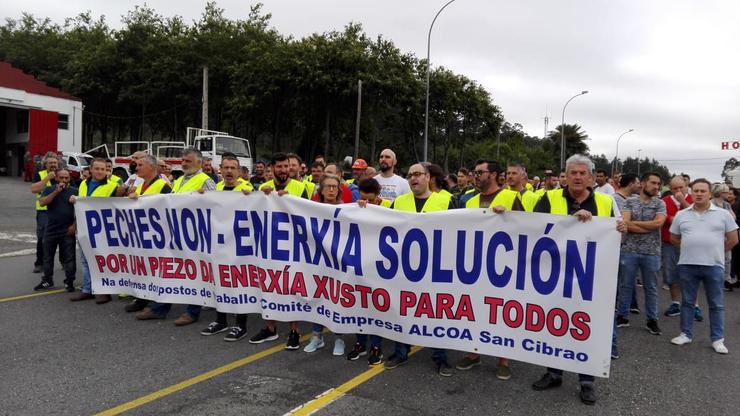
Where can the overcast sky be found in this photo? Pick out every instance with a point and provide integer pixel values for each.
(668, 69)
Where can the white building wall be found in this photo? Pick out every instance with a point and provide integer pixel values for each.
(70, 139)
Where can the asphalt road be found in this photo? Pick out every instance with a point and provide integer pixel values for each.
(58, 357)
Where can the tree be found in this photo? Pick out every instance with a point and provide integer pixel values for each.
(575, 141)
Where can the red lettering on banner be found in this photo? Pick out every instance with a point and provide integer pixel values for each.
(515, 322)
(408, 299)
(535, 317)
(100, 260)
(563, 318)
(443, 306)
(580, 321)
(275, 281)
(725, 145)
(556, 321)
(299, 286)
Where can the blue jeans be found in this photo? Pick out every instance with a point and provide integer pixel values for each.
(402, 351)
(649, 265)
(86, 281)
(318, 328)
(42, 218)
(375, 341)
(670, 255)
(713, 278)
(162, 309)
(583, 378)
(66, 244)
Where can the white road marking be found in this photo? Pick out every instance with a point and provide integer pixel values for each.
(19, 253)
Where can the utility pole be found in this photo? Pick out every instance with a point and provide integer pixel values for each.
(357, 123)
(204, 122)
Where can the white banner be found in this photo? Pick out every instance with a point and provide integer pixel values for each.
(530, 287)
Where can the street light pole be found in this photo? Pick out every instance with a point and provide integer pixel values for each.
(562, 131)
(638, 162)
(616, 154)
(429, 70)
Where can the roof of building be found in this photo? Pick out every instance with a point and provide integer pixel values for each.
(14, 78)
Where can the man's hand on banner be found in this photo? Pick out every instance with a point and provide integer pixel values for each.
(583, 215)
(362, 203)
(499, 209)
(267, 190)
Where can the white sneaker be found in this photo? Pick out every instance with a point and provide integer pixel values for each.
(681, 339)
(719, 346)
(316, 343)
(338, 346)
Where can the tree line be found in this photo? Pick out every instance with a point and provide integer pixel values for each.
(144, 82)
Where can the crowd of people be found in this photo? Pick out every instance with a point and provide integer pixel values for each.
(686, 231)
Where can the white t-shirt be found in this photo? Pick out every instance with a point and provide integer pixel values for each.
(606, 189)
(392, 187)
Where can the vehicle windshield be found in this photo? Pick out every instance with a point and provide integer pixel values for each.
(85, 160)
(239, 147)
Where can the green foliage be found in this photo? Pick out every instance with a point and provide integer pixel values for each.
(143, 81)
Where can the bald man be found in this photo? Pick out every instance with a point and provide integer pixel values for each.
(391, 185)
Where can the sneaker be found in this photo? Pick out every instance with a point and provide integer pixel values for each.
(45, 284)
(235, 334)
(547, 381)
(638, 283)
(719, 346)
(681, 340)
(338, 347)
(503, 372)
(444, 369)
(294, 341)
(622, 322)
(652, 326)
(316, 343)
(375, 357)
(264, 335)
(214, 328)
(468, 362)
(666, 287)
(615, 354)
(37, 269)
(588, 394)
(728, 286)
(697, 314)
(673, 310)
(634, 310)
(357, 351)
(395, 361)
(69, 287)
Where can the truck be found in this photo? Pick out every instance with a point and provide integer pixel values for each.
(211, 143)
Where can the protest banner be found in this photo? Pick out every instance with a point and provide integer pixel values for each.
(531, 287)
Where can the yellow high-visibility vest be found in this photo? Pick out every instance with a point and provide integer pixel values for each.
(103, 190)
(154, 188)
(505, 198)
(293, 187)
(193, 184)
(241, 186)
(42, 175)
(559, 205)
(435, 202)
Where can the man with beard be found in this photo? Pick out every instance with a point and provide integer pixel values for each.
(193, 180)
(283, 184)
(391, 185)
(515, 178)
(259, 174)
(295, 166)
(644, 216)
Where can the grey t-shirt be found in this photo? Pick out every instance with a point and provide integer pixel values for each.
(647, 243)
(703, 235)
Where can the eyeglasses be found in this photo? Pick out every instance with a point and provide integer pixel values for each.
(414, 175)
(478, 173)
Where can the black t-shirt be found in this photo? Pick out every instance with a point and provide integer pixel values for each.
(60, 214)
(37, 178)
(256, 181)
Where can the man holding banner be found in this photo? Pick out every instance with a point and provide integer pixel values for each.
(420, 199)
(500, 200)
(97, 186)
(193, 180)
(150, 183)
(283, 184)
(578, 200)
